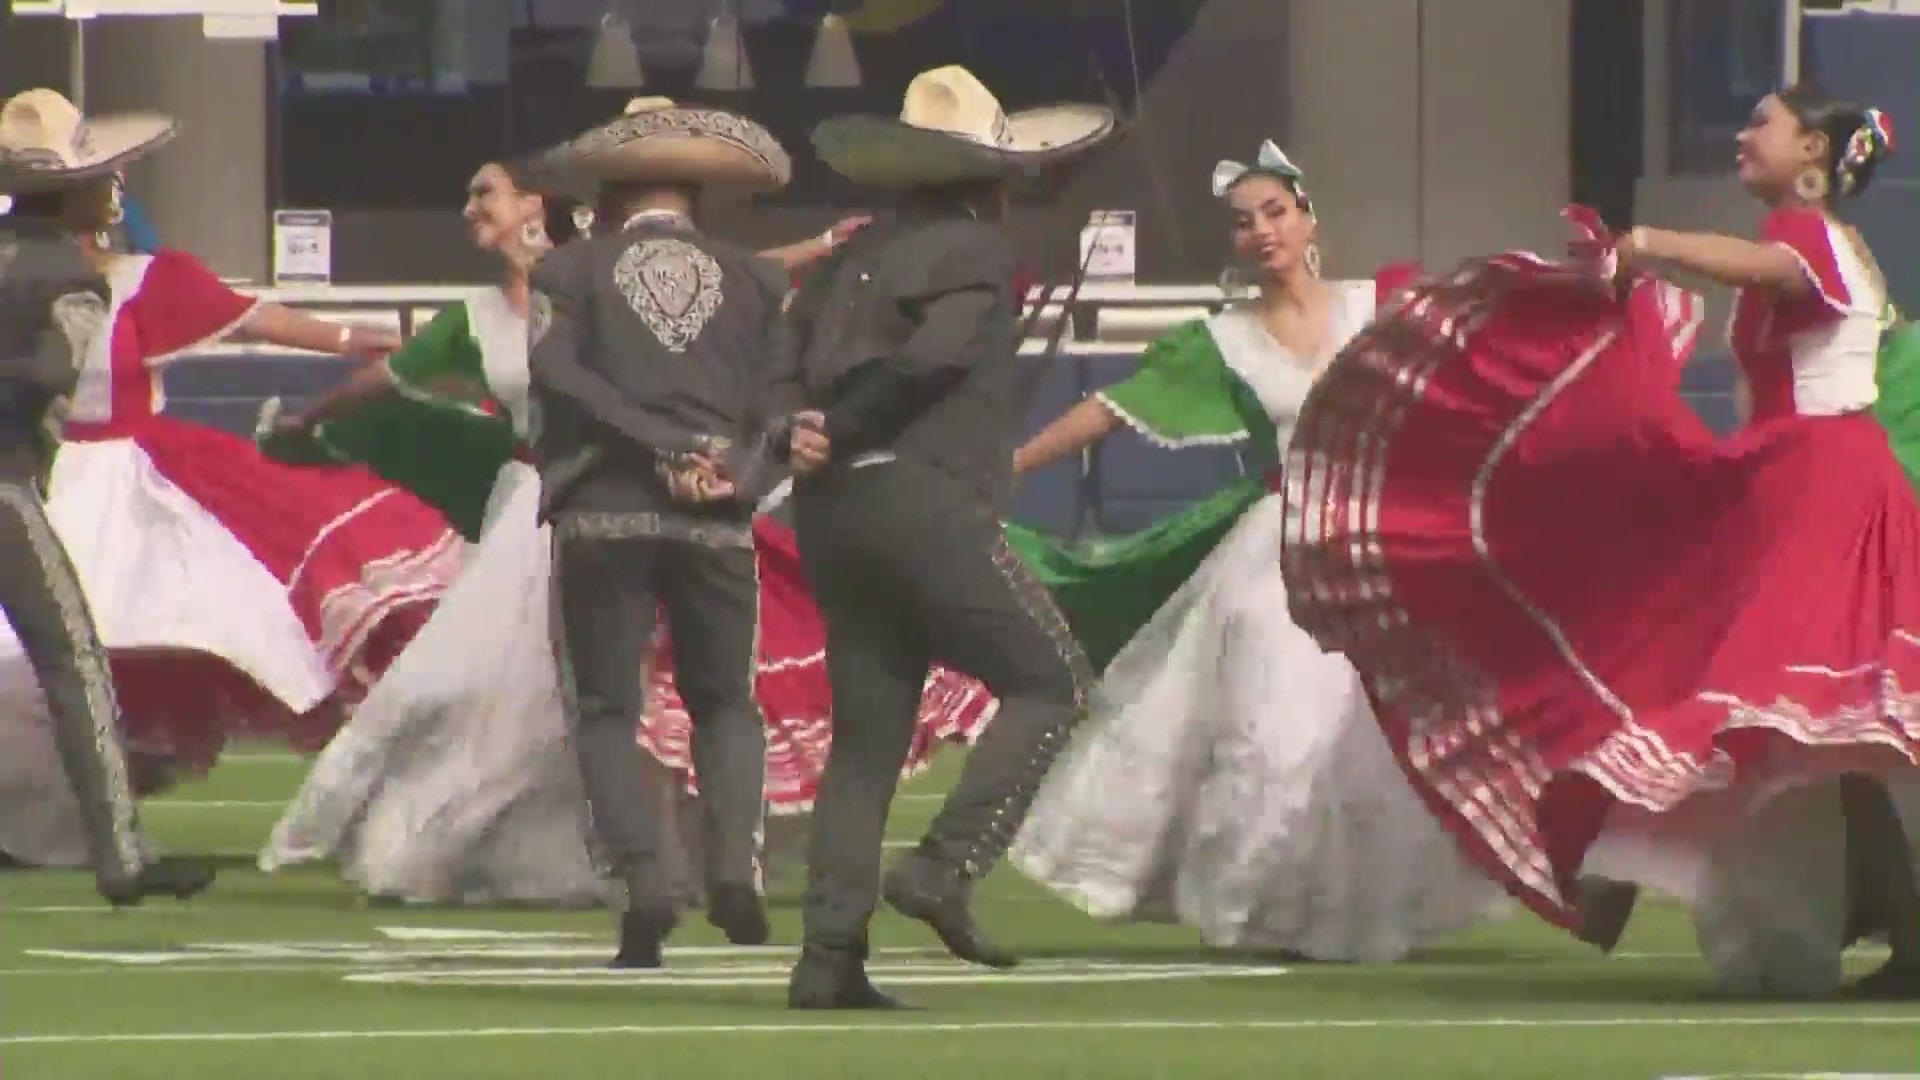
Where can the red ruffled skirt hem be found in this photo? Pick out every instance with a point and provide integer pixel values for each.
(793, 692)
(358, 563)
(1572, 607)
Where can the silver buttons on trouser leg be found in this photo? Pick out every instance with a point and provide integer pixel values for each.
(985, 850)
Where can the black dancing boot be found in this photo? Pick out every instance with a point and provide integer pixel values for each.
(643, 934)
(738, 912)
(180, 878)
(1897, 980)
(923, 889)
(834, 979)
(1605, 909)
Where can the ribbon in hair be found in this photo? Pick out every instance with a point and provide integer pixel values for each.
(1875, 134)
(1269, 161)
(1882, 128)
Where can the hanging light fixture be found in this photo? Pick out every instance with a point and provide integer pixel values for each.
(614, 63)
(723, 66)
(834, 63)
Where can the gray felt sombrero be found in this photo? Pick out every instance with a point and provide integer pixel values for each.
(952, 128)
(46, 144)
(657, 140)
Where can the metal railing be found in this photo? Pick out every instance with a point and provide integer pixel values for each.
(1105, 319)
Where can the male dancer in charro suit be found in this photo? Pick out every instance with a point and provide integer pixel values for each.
(652, 350)
(909, 355)
(53, 303)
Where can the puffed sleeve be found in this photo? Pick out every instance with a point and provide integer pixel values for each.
(1181, 394)
(1807, 234)
(441, 355)
(182, 306)
(1389, 280)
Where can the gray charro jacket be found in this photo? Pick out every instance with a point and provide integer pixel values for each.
(648, 344)
(53, 304)
(910, 342)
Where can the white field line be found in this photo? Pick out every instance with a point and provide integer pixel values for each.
(1775, 1020)
(276, 963)
(214, 804)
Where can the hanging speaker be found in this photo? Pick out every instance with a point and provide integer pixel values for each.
(833, 63)
(723, 66)
(614, 63)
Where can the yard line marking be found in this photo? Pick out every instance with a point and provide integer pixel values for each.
(264, 757)
(1009, 1027)
(197, 969)
(768, 976)
(216, 804)
(457, 933)
(333, 955)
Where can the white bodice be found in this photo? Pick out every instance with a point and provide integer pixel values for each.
(1278, 378)
(501, 334)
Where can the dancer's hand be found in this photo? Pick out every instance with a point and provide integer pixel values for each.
(845, 228)
(697, 478)
(368, 343)
(273, 421)
(810, 448)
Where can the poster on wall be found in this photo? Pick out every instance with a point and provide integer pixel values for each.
(302, 247)
(1107, 247)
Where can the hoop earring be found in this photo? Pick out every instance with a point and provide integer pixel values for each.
(1811, 185)
(534, 235)
(1313, 259)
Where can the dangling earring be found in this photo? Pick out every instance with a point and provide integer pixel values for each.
(1811, 185)
(116, 203)
(583, 221)
(1313, 259)
(533, 235)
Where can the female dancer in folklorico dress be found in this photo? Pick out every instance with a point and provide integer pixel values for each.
(1230, 777)
(1604, 643)
(454, 783)
(234, 595)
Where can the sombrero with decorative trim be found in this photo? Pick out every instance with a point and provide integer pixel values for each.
(46, 144)
(952, 128)
(657, 140)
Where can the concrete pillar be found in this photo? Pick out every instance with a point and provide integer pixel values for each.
(207, 192)
(1497, 82)
(1422, 140)
(1354, 87)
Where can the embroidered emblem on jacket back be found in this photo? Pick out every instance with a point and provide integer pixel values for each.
(673, 286)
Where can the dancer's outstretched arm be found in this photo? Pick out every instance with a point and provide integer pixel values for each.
(796, 257)
(442, 353)
(1076, 429)
(1729, 260)
(275, 324)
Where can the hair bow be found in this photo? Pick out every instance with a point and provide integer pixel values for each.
(1269, 161)
(1882, 127)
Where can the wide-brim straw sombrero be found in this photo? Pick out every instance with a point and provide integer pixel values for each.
(952, 128)
(656, 140)
(45, 143)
